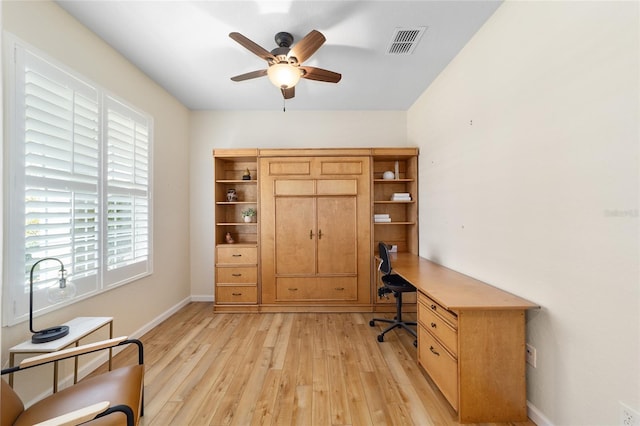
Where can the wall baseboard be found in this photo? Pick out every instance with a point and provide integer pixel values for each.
(536, 415)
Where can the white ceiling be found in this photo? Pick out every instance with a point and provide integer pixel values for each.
(184, 46)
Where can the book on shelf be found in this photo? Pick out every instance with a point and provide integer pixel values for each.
(381, 217)
(401, 196)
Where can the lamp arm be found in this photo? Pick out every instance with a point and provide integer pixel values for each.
(62, 270)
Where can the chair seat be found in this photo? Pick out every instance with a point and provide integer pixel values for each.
(397, 284)
(120, 386)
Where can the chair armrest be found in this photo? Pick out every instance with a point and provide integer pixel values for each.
(71, 352)
(77, 416)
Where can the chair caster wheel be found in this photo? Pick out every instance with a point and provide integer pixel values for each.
(372, 323)
(380, 338)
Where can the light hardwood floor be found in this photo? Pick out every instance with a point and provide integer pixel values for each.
(311, 369)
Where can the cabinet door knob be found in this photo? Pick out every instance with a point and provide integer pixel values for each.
(311, 234)
(433, 307)
(433, 351)
(320, 234)
(433, 325)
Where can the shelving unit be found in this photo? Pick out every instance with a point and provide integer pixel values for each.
(402, 231)
(236, 282)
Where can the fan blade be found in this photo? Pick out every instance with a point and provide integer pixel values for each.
(288, 93)
(307, 46)
(253, 47)
(318, 74)
(249, 75)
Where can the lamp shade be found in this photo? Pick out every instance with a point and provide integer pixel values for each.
(283, 75)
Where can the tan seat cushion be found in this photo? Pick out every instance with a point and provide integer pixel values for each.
(121, 386)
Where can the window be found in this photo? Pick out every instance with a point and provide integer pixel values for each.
(80, 184)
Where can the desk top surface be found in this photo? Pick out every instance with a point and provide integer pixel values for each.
(452, 289)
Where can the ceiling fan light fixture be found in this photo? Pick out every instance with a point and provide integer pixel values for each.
(284, 75)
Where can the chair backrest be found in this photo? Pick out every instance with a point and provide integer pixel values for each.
(11, 404)
(385, 266)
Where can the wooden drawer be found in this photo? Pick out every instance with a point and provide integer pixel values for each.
(440, 310)
(439, 364)
(237, 275)
(316, 289)
(235, 255)
(236, 294)
(440, 328)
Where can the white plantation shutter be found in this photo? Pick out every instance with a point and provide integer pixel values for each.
(79, 185)
(127, 180)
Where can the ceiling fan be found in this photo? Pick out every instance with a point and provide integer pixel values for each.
(285, 62)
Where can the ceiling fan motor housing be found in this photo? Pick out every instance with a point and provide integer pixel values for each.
(284, 39)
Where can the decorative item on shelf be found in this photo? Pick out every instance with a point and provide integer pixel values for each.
(246, 175)
(249, 214)
(232, 195)
(397, 166)
(55, 294)
(388, 175)
(229, 239)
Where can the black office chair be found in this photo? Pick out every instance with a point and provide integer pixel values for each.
(397, 285)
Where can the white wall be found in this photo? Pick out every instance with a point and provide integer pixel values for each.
(50, 29)
(268, 129)
(529, 180)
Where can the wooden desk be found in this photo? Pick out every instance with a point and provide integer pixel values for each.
(471, 340)
(78, 328)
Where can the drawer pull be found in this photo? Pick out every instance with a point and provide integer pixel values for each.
(236, 255)
(340, 288)
(433, 351)
(236, 275)
(293, 289)
(236, 294)
(434, 307)
(433, 325)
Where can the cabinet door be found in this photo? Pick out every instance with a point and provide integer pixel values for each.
(337, 238)
(295, 235)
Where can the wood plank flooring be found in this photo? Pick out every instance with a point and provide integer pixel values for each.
(310, 369)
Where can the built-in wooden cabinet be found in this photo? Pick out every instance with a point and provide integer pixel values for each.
(236, 266)
(314, 237)
(315, 230)
(395, 212)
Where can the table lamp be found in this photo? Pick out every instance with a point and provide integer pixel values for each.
(55, 294)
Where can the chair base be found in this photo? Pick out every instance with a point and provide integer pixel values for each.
(396, 322)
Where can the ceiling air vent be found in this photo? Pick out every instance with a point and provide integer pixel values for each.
(405, 40)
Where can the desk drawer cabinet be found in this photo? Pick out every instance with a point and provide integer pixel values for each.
(438, 346)
(440, 364)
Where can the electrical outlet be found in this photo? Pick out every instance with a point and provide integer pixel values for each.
(531, 356)
(628, 416)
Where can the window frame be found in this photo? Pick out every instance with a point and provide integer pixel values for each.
(16, 290)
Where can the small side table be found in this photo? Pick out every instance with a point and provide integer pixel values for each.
(78, 328)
